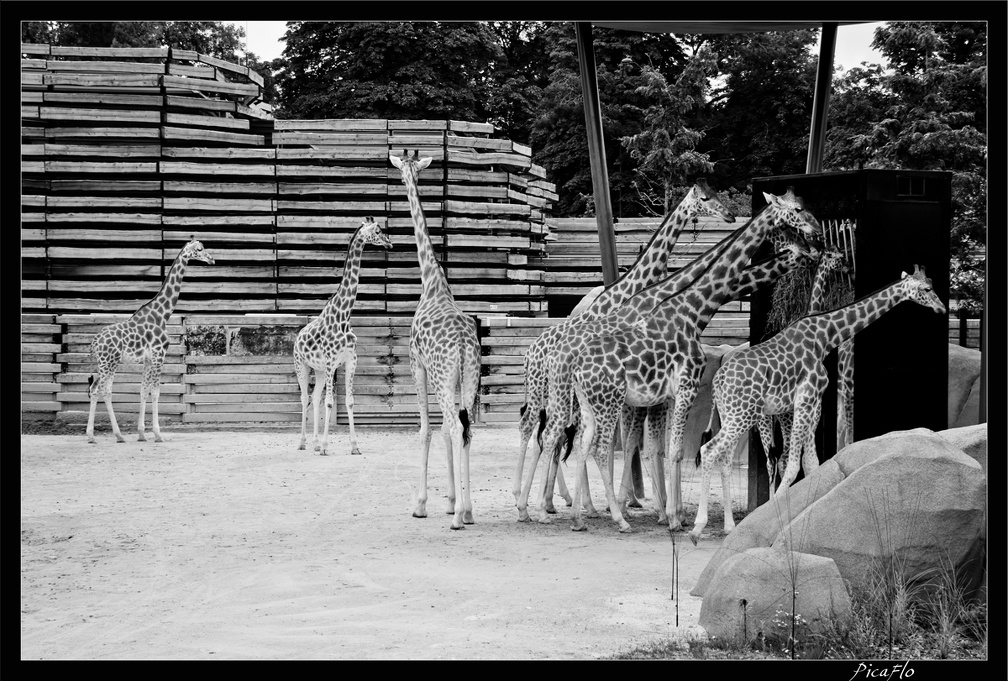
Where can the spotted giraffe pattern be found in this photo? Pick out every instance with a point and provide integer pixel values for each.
(723, 265)
(650, 267)
(327, 342)
(786, 373)
(141, 338)
(444, 355)
(831, 261)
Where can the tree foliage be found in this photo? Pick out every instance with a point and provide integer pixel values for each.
(926, 112)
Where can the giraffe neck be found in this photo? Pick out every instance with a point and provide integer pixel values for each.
(431, 274)
(650, 267)
(337, 310)
(716, 285)
(160, 308)
(843, 323)
(818, 294)
(763, 273)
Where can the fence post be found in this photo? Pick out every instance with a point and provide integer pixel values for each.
(963, 328)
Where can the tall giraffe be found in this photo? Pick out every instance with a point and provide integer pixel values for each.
(445, 352)
(327, 342)
(845, 394)
(724, 264)
(141, 338)
(831, 261)
(786, 373)
(650, 267)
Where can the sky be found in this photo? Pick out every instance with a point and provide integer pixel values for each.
(853, 43)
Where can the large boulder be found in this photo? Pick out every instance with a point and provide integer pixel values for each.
(963, 386)
(920, 501)
(912, 494)
(972, 440)
(757, 592)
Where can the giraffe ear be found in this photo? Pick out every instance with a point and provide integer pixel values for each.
(904, 275)
(770, 198)
(396, 161)
(423, 163)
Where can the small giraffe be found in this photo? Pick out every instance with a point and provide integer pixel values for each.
(327, 342)
(651, 266)
(654, 369)
(445, 352)
(141, 338)
(786, 373)
(831, 261)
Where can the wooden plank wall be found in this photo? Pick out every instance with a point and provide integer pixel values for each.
(126, 154)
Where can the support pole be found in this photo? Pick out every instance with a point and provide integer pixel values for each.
(820, 100)
(596, 152)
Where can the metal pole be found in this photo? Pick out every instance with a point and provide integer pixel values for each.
(820, 100)
(596, 152)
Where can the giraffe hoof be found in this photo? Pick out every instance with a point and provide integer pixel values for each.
(417, 514)
(301, 446)
(458, 526)
(158, 438)
(625, 529)
(467, 518)
(142, 438)
(693, 538)
(523, 516)
(551, 509)
(92, 441)
(355, 452)
(120, 439)
(579, 527)
(635, 503)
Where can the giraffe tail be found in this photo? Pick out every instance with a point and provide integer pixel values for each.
(466, 433)
(90, 384)
(708, 434)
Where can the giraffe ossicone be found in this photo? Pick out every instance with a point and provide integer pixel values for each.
(327, 342)
(141, 338)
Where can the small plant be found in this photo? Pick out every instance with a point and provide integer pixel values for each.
(697, 648)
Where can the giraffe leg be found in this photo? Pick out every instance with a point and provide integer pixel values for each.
(711, 454)
(152, 380)
(765, 426)
(330, 403)
(316, 405)
(522, 502)
(631, 429)
(302, 377)
(115, 426)
(102, 388)
(652, 454)
(807, 397)
(420, 381)
(451, 431)
(90, 420)
(726, 497)
(350, 367)
(526, 426)
(685, 393)
(155, 399)
(604, 417)
(562, 489)
(145, 390)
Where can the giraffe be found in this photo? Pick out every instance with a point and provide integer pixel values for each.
(582, 354)
(831, 261)
(141, 338)
(650, 267)
(327, 342)
(786, 373)
(845, 394)
(445, 353)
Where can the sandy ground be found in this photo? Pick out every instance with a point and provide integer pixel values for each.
(235, 545)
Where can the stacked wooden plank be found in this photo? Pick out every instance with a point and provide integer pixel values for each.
(41, 341)
(127, 153)
(573, 269)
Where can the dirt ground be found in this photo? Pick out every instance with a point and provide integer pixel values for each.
(235, 545)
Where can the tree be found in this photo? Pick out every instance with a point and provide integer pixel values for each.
(927, 112)
(757, 119)
(388, 70)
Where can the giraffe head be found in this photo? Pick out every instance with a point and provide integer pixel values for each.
(194, 251)
(374, 233)
(409, 165)
(833, 260)
(917, 287)
(788, 211)
(702, 200)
